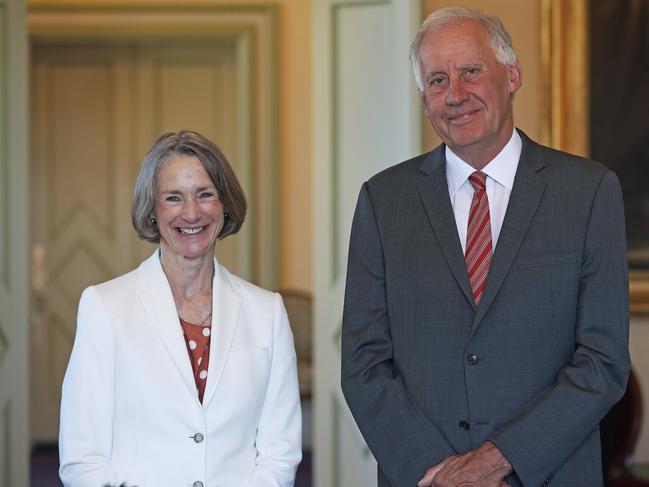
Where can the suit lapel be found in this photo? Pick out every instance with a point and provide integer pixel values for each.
(433, 190)
(225, 316)
(155, 294)
(524, 200)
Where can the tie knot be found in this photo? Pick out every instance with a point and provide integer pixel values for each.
(478, 180)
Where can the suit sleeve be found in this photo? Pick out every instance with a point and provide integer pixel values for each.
(404, 442)
(541, 436)
(85, 437)
(279, 432)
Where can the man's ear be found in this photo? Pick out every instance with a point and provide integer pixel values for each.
(515, 73)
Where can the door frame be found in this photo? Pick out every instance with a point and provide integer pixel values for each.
(254, 31)
(14, 268)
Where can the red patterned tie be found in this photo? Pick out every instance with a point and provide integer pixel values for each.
(479, 249)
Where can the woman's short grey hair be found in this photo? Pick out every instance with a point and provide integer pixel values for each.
(186, 143)
(501, 41)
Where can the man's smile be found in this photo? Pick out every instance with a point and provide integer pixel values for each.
(461, 118)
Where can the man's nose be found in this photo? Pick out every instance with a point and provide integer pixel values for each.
(456, 93)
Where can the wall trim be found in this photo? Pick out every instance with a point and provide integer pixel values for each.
(4, 151)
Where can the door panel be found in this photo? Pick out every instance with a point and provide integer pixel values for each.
(367, 118)
(195, 87)
(97, 108)
(80, 219)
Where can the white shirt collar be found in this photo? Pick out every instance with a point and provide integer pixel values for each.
(501, 168)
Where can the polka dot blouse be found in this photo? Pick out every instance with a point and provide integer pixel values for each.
(197, 339)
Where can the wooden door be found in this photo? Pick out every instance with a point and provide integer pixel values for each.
(14, 195)
(97, 106)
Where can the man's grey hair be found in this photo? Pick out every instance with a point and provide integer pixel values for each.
(501, 41)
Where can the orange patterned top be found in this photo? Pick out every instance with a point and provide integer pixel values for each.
(197, 339)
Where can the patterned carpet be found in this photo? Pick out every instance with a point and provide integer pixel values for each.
(45, 465)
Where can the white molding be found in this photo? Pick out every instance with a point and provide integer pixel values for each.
(14, 368)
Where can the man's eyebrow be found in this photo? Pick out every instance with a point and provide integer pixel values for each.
(435, 73)
(472, 64)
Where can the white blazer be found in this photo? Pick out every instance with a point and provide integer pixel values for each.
(130, 410)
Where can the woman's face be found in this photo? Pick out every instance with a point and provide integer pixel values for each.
(187, 208)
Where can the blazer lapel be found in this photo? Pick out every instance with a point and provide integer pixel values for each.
(523, 202)
(226, 303)
(433, 190)
(155, 294)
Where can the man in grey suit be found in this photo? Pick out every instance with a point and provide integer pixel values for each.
(485, 329)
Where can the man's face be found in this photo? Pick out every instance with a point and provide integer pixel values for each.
(467, 93)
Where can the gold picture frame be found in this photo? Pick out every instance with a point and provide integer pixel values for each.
(565, 86)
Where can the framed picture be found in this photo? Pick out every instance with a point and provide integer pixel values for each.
(595, 59)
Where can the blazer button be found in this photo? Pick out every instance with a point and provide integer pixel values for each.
(464, 425)
(198, 438)
(198, 483)
(472, 358)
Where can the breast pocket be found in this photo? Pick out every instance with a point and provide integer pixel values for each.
(548, 286)
(244, 382)
(243, 355)
(247, 368)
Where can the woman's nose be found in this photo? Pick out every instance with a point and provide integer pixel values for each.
(190, 210)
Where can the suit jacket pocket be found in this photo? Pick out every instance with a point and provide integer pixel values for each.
(541, 260)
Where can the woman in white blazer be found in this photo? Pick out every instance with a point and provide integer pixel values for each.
(181, 374)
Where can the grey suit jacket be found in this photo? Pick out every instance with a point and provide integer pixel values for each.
(534, 368)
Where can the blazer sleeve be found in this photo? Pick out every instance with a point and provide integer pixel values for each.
(404, 442)
(541, 436)
(85, 436)
(279, 432)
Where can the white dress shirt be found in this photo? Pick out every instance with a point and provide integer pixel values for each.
(500, 172)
